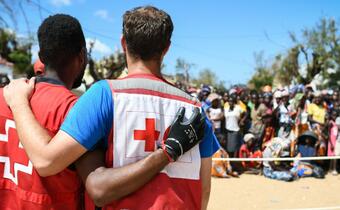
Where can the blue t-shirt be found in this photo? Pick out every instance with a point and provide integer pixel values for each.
(90, 120)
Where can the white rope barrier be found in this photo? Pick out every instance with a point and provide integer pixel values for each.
(277, 159)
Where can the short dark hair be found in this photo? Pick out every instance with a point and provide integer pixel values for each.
(61, 39)
(147, 31)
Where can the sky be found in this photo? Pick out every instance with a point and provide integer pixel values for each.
(220, 35)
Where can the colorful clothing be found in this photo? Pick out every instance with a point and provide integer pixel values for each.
(269, 134)
(242, 106)
(232, 118)
(246, 153)
(139, 109)
(258, 113)
(221, 168)
(21, 187)
(333, 134)
(215, 116)
(278, 175)
(272, 152)
(318, 113)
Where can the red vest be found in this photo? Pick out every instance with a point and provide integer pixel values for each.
(144, 108)
(20, 185)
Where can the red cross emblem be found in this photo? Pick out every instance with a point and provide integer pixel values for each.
(149, 135)
(10, 146)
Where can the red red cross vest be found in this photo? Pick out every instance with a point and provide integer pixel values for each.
(144, 108)
(20, 185)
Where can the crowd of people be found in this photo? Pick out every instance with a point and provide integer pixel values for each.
(300, 121)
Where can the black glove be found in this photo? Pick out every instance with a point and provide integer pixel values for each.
(184, 135)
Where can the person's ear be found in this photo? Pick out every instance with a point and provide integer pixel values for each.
(165, 51)
(39, 54)
(123, 43)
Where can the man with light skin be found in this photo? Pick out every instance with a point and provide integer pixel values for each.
(137, 109)
(63, 50)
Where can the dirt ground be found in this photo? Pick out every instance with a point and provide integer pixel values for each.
(257, 192)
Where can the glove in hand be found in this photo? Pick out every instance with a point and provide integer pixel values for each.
(183, 136)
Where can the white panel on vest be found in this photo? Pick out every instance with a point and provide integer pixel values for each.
(140, 122)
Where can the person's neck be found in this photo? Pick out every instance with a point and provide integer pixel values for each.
(50, 73)
(144, 67)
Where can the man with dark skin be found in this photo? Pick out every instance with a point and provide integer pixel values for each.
(63, 50)
(316, 112)
(143, 96)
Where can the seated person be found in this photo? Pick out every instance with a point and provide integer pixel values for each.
(306, 147)
(247, 151)
(306, 144)
(276, 169)
(222, 168)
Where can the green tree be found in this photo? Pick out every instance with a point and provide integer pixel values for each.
(316, 53)
(16, 51)
(208, 77)
(109, 67)
(182, 70)
(263, 75)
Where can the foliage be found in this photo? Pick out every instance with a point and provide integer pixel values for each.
(263, 76)
(109, 67)
(16, 51)
(182, 70)
(316, 53)
(207, 76)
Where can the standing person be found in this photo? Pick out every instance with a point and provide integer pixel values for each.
(203, 97)
(215, 113)
(246, 121)
(301, 114)
(269, 130)
(21, 186)
(333, 134)
(277, 98)
(317, 118)
(316, 111)
(63, 50)
(283, 113)
(142, 104)
(225, 98)
(233, 114)
(337, 143)
(268, 100)
(257, 125)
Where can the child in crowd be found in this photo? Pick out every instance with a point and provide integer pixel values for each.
(333, 134)
(337, 143)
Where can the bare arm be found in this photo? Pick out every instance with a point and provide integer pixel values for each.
(48, 157)
(105, 185)
(205, 174)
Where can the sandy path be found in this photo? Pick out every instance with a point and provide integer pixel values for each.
(257, 192)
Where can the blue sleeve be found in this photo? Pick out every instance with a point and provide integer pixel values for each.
(90, 119)
(209, 144)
